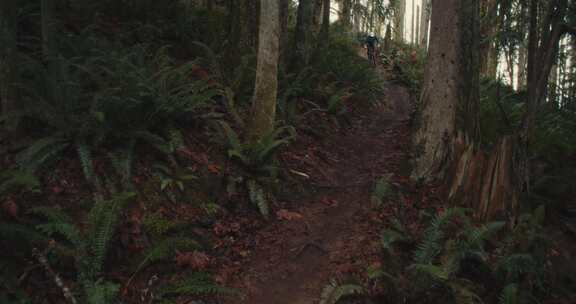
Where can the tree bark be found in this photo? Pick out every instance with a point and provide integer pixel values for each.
(7, 55)
(450, 94)
(413, 24)
(317, 16)
(266, 87)
(425, 22)
(399, 14)
(488, 28)
(325, 31)
(346, 13)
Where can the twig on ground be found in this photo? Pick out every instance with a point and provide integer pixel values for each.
(41, 258)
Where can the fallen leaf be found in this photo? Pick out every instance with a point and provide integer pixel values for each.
(10, 208)
(288, 215)
(195, 259)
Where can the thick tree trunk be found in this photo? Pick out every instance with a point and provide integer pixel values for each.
(399, 14)
(425, 22)
(303, 36)
(266, 87)
(7, 55)
(451, 88)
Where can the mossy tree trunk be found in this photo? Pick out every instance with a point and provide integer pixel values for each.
(7, 55)
(266, 87)
(303, 37)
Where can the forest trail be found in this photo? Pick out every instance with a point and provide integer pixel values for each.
(335, 230)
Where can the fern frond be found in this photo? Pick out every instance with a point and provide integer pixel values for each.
(335, 292)
(381, 192)
(198, 283)
(101, 292)
(258, 197)
(509, 294)
(435, 272)
(11, 180)
(103, 219)
(165, 249)
(85, 156)
(431, 246)
(17, 232)
(40, 152)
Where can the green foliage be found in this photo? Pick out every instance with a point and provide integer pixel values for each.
(79, 102)
(339, 63)
(382, 191)
(198, 283)
(334, 292)
(90, 245)
(257, 196)
(407, 65)
(14, 180)
(452, 245)
(257, 158)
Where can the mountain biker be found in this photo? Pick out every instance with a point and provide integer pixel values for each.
(370, 42)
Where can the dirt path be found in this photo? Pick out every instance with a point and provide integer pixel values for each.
(295, 258)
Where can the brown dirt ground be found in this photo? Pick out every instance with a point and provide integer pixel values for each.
(338, 231)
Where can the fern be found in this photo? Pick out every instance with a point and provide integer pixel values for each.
(430, 246)
(39, 153)
(509, 294)
(334, 292)
(101, 293)
(12, 180)
(258, 197)
(165, 249)
(382, 191)
(198, 283)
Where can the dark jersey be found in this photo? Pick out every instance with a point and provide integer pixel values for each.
(371, 41)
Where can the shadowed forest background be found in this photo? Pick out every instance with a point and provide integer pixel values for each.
(246, 151)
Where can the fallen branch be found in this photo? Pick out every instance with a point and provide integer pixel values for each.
(41, 258)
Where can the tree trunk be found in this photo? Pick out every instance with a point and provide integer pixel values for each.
(48, 9)
(450, 94)
(284, 13)
(266, 87)
(303, 37)
(7, 55)
(346, 13)
(325, 31)
(317, 17)
(413, 24)
(488, 28)
(417, 26)
(522, 47)
(399, 14)
(425, 22)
